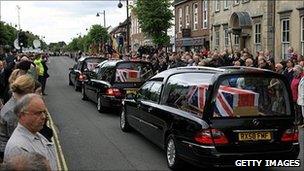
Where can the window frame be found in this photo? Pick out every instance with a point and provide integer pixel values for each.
(195, 16)
(217, 37)
(148, 95)
(226, 36)
(226, 5)
(180, 20)
(302, 34)
(285, 34)
(258, 37)
(236, 2)
(205, 14)
(187, 16)
(217, 5)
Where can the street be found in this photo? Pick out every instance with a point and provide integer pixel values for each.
(93, 141)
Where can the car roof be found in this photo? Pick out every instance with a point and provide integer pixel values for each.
(114, 62)
(217, 71)
(83, 58)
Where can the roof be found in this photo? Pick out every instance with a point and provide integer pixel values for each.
(114, 62)
(219, 71)
(118, 29)
(177, 2)
(87, 57)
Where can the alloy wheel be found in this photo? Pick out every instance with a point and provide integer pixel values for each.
(171, 153)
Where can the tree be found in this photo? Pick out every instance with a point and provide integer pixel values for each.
(98, 34)
(154, 19)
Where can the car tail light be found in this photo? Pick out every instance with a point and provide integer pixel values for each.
(211, 137)
(290, 135)
(82, 77)
(113, 92)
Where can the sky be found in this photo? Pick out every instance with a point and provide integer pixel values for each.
(61, 20)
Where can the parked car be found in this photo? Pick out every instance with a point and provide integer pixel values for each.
(82, 69)
(215, 116)
(113, 79)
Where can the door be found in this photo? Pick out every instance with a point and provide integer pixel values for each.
(152, 118)
(135, 112)
(254, 114)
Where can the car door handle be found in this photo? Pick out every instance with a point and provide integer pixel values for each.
(150, 109)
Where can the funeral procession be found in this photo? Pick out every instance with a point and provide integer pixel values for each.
(152, 85)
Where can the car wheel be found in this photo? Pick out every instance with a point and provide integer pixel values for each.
(124, 124)
(100, 108)
(84, 96)
(173, 161)
(70, 82)
(76, 88)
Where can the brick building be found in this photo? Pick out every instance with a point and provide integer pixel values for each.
(191, 24)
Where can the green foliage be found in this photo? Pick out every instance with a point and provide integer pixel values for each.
(155, 19)
(7, 34)
(96, 35)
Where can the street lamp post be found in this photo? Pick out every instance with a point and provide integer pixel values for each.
(128, 28)
(104, 17)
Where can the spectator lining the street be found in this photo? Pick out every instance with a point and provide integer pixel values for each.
(8, 119)
(31, 112)
(27, 161)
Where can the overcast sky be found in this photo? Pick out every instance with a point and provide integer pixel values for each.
(61, 20)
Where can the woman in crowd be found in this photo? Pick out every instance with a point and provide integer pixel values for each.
(23, 85)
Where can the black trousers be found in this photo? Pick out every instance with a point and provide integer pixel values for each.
(298, 113)
(42, 81)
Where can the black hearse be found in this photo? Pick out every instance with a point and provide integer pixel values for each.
(82, 69)
(215, 116)
(113, 79)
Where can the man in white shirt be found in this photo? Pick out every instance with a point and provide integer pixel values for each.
(26, 138)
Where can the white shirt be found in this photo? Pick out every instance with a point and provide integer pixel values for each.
(22, 141)
(300, 100)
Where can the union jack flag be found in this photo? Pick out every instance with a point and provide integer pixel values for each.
(124, 75)
(227, 99)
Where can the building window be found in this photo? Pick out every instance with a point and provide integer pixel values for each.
(226, 36)
(187, 11)
(217, 5)
(285, 37)
(217, 37)
(257, 37)
(302, 35)
(226, 4)
(195, 16)
(205, 14)
(236, 2)
(180, 20)
(236, 40)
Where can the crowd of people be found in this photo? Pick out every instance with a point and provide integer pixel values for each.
(25, 137)
(24, 134)
(292, 67)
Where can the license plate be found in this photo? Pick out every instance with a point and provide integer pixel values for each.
(131, 91)
(254, 136)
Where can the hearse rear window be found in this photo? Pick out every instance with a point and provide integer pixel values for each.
(185, 94)
(133, 72)
(241, 96)
(91, 64)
